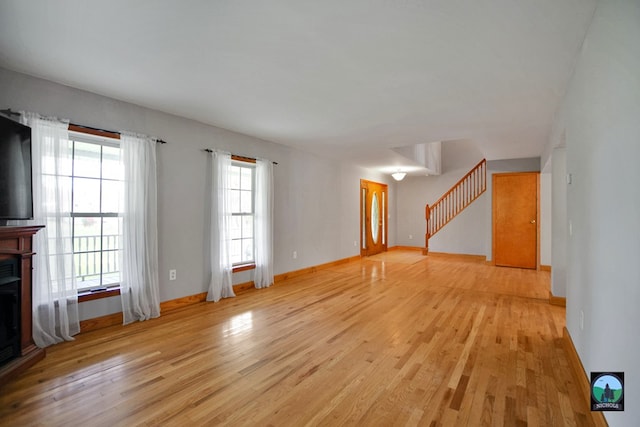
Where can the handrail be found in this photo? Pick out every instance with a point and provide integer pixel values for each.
(454, 201)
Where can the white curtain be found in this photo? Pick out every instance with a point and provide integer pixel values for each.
(263, 274)
(139, 287)
(54, 290)
(221, 285)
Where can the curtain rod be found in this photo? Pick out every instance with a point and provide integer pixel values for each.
(209, 150)
(159, 141)
(9, 112)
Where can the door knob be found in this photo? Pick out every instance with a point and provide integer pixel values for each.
(533, 221)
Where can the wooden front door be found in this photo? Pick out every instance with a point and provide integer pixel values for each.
(373, 217)
(515, 219)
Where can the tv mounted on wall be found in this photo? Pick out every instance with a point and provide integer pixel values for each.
(16, 198)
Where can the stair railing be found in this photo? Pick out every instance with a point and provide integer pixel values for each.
(454, 201)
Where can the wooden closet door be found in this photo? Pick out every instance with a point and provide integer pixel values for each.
(515, 219)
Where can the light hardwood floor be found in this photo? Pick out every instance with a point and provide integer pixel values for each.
(396, 339)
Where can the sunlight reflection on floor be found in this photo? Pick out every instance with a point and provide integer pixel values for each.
(238, 325)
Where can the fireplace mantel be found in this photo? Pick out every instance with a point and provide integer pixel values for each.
(16, 243)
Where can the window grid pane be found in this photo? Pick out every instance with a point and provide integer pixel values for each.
(246, 179)
(246, 205)
(247, 250)
(96, 188)
(247, 226)
(242, 202)
(86, 161)
(86, 194)
(234, 178)
(111, 166)
(242, 238)
(235, 201)
(236, 228)
(236, 251)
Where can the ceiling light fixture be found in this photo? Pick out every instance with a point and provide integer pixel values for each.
(399, 176)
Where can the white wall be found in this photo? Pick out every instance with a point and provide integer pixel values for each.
(559, 222)
(600, 118)
(316, 199)
(463, 234)
(471, 231)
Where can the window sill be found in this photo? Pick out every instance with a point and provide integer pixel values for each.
(243, 267)
(84, 296)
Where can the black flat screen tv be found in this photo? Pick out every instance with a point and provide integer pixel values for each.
(16, 197)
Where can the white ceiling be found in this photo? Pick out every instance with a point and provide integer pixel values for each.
(334, 77)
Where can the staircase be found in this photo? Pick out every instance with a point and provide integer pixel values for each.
(465, 191)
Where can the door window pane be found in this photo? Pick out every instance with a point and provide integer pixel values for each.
(363, 209)
(375, 217)
(383, 215)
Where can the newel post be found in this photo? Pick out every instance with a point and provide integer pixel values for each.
(427, 213)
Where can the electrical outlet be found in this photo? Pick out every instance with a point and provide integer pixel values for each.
(172, 274)
(355, 243)
(581, 320)
(410, 236)
(295, 254)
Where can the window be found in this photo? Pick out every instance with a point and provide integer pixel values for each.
(96, 180)
(241, 186)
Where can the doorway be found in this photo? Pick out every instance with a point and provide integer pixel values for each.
(373, 217)
(515, 219)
